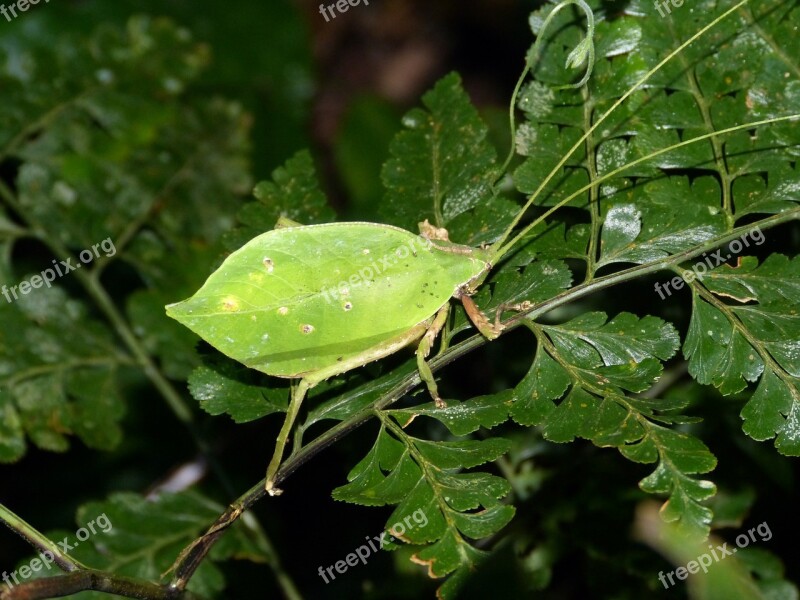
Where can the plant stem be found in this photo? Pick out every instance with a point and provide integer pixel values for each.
(38, 540)
(41, 123)
(496, 253)
(91, 579)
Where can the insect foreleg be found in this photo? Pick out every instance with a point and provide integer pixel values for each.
(424, 349)
(298, 393)
(518, 307)
(489, 330)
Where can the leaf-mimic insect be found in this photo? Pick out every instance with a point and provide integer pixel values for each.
(311, 302)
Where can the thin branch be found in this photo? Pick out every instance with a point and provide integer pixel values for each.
(90, 579)
(38, 540)
(42, 122)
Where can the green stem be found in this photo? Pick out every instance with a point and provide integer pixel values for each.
(298, 393)
(700, 291)
(428, 475)
(46, 369)
(512, 122)
(179, 407)
(38, 540)
(726, 180)
(495, 255)
(592, 253)
(533, 57)
(41, 123)
(500, 247)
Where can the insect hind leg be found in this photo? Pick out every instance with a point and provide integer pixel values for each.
(298, 394)
(424, 349)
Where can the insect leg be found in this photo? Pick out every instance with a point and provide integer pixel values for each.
(518, 307)
(480, 320)
(424, 349)
(298, 393)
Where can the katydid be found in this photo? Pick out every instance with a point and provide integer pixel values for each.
(310, 302)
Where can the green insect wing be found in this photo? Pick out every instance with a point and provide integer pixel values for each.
(296, 300)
